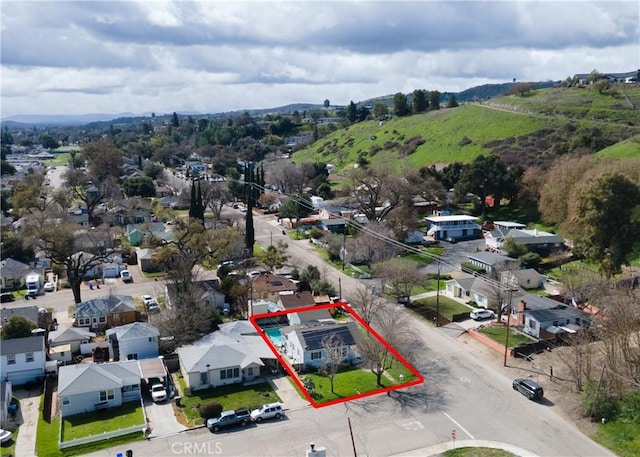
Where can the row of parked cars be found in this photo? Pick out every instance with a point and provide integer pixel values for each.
(243, 417)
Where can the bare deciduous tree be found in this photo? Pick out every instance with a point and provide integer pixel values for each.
(334, 353)
(400, 276)
(366, 303)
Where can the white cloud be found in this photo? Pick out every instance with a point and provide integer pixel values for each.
(211, 56)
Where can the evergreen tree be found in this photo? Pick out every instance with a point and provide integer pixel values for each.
(174, 120)
(199, 205)
(193, 212)
(420, 101)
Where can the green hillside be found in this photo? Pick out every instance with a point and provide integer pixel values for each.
(626, 148)
(530, 129)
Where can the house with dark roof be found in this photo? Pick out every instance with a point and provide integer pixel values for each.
(535, 240)
(268, 285)
(288, 301)
(39, 316)
(105, 312)
(83, 388)
(22, 360)
(134, 341)
(304, 344)
(542, 317)
(493, 263)
(13, 273)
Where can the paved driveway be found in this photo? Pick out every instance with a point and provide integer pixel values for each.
(161, 418)
(29, 403)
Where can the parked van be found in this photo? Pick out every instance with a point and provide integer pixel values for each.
(530, 389)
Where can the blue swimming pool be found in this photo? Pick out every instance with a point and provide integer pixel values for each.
(274, 335)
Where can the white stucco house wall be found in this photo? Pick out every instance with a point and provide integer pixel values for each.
(84, 388)
(22, 359)
(134, 341)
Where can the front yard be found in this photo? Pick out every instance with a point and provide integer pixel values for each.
(447, 307)
(108, 420)
(499, 334)
(47, 439)
(233, 396)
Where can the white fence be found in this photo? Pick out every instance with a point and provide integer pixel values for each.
(102, 436)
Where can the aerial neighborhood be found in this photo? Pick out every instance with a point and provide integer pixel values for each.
(207, 273)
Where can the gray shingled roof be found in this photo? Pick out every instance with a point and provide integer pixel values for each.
(134, 330)
(105, 305)
(22, 345)
(85, 378)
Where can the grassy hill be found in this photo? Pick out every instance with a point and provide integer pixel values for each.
(530, 129)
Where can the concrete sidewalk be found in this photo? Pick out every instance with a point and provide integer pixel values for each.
(290, 397)
(29, 404)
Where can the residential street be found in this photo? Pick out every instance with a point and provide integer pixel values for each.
(466, 390)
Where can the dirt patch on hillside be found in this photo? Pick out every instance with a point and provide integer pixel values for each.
(559, 389)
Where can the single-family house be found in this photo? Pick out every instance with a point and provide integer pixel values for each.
(453, 228)
(268, 285)
(78, 215)
(38, 316)
(470, 288)
(23, 359)
(542, 317)
(73, 337)
(106, 312)
(536, 240)
(138, 234)
(494, 264)
(134, 341)
(234, 353)
(207, 366)
(6, 393)
(527, 278)
(304, 299)
(13, 273)
(305, 344)
(83, 388)
(130, 211)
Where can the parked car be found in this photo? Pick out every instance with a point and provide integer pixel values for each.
(530, 389)
(5, 435)
(268, 411)
(158, 393)
(481, 313)
(6, 297)
(153, 307)
(228, 419)
(126, 276)
(49, 287)
(146, 299)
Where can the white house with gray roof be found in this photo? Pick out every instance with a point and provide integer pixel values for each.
(235, 353)
(304, 344)
(22, 360)
(543, 317)
(134, 341)
(83, 388)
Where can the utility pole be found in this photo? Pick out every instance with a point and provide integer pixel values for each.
(340, 288)
(506, 339)
(438, 296)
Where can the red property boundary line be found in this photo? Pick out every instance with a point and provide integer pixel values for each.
(419, 378)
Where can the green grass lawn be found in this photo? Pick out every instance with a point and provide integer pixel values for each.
(498, 334)
(230, 397)
(447, 306)
(347, 383)
(47, 440)
(398, 369)
(60, 160)
(95, 423)
(622, 438)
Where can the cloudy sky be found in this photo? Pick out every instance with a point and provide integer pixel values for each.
(64, 57)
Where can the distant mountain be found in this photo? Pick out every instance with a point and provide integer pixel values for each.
(24, 120)
(60, 119)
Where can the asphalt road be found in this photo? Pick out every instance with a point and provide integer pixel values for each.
(463, 391)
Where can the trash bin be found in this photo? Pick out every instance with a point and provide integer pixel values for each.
(178, 399)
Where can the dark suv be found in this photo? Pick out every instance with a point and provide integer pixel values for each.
(530, 389)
